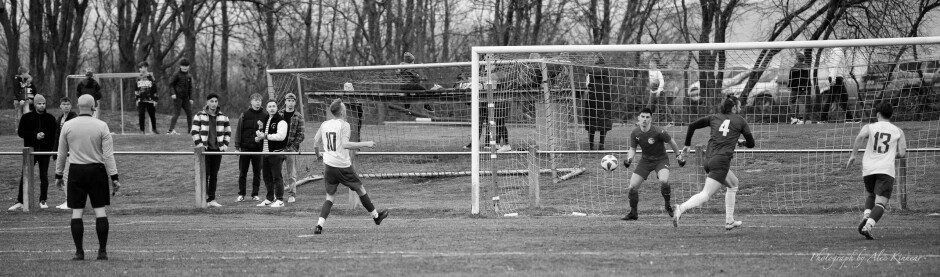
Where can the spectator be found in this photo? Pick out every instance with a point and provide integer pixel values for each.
(656, 84)
(37, 129)
(249, 123)
(90, 86)
(295, 136)
(65, 105)
(800, 85)
(355, 110)
(211, 130)
(23, 93)
(597, 110)
(182, 85)
(837, 91)
(411, 79)
(273, 137)
(146, 93)
(87, 144)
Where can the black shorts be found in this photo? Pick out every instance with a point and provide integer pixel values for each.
(88, 181)
(334, 176)
(644, 167)
(879, 184)
(717, 167)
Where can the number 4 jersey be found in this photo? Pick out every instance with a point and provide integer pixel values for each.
(333, 132)
(881, 150)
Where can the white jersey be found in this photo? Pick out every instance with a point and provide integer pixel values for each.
(881, 149)
(333, 132)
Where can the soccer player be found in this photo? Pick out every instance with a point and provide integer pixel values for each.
(211, 130)
(182, 85)
(86, 143)
(338, 166)
(249, 123)
(887, 143)
(146, 92)
(273, 137)
(651, 139)
(726, 128)
(295, 136)
(37, 129)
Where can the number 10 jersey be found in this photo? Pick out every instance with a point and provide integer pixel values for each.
(334, 132)
(881, 150)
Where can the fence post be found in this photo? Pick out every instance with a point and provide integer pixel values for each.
(200, 171)
(534, 201)
(902, 181)
(700, 156)
(29, 192)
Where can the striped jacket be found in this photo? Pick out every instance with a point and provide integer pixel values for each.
(295, 131)
(200, 128)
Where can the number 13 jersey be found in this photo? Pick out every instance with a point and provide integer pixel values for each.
(881, 149)
(333, 132)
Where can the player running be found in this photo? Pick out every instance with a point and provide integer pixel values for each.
(651, 139)
(339, 170)
(726, 129)
(887, 143)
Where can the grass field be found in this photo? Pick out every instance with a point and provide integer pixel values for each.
(212, 244)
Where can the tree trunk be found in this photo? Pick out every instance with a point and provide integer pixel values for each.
(223, 56)
(37, 45)
(189, 46)
(11, 30)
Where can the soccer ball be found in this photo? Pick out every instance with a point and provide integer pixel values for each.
(609, 163)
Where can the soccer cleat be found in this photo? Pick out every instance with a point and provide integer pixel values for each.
(669, 210)
(318, 230)
(64, 206)
(42, 205)
(102, 255)
(866, 231)
(675, 219)
(214, 204)
(382, 215)
(631, 216)
(256, 198)
(79, 256)
(732, 225)
(16, 206)
(264, 203)
(291, 199)
(277, 204)
(240, 198)
(172, 132)
(861, 226)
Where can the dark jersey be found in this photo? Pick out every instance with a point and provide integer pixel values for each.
(652, 141)
(725, 131)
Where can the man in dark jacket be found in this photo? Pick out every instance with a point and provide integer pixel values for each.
(90, 86)
(37, 128)
(182, 85)
(244, 137)
(65, 105)
(146, 93)
(800, 84)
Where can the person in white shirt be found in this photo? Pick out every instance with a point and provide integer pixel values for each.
(885, 143)
(656, 85)
(273, 137)
(334, 134)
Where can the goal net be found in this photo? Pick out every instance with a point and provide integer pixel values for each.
(559, 109)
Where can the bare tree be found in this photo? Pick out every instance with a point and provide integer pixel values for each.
(11, 31)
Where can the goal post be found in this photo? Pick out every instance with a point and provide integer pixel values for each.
(566, 100)
(113, 88)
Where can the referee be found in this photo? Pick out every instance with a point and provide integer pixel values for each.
(86, 141)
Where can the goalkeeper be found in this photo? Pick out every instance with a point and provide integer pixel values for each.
(652, 140)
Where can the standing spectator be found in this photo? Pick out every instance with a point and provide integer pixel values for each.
(800, 86)
(182, 85)
(656, 84)
(837, 91)
(65, 105)
(249, 123)
(273, 137)
(146, 93)
(411, 79)
(597, 110)
(211, 130)
(37, 128)
(295, 136)
(23, 93)
(90, 86)
(86, 143)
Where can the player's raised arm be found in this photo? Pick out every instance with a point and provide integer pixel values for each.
(698, 124)
(859, 141)
(353, 145)
(902, 145)
(748, 136)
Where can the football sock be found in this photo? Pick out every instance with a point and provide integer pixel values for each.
(78, 230)
(870, 201)
(321, 221)
(101, 227)
(730, 196)
(634, 197)
(591, 140)
(877, 212)
(666, 190)
(694, 201)
(325, 210)
(600, 140)
(367, 203)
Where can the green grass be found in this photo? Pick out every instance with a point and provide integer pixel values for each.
(283, 243)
